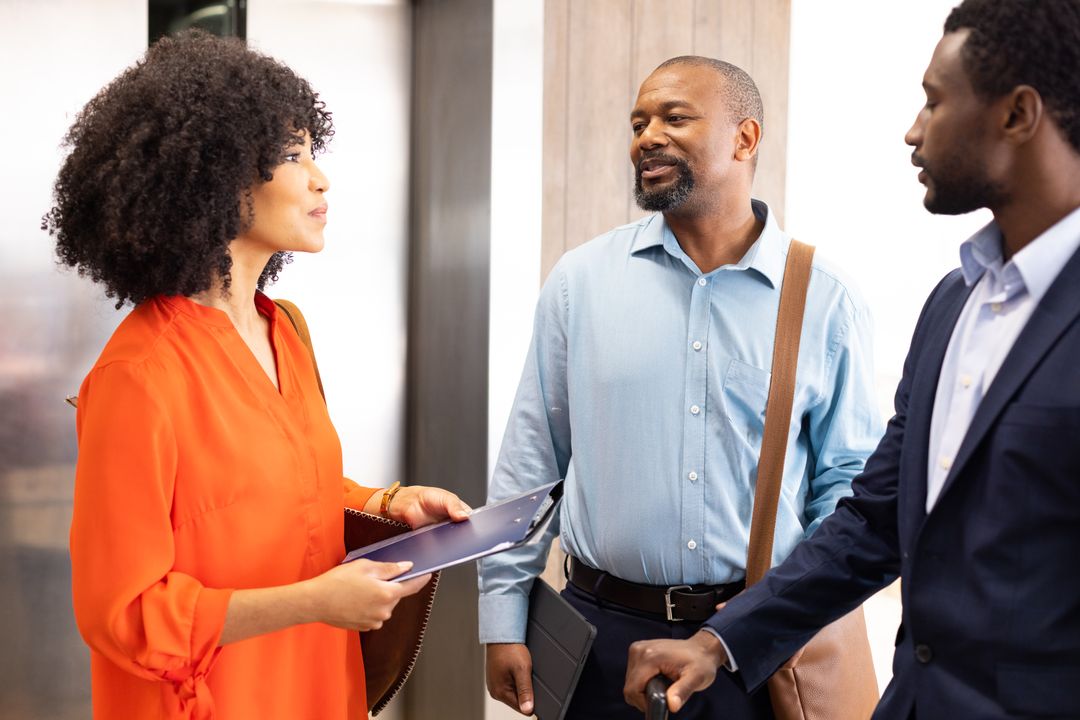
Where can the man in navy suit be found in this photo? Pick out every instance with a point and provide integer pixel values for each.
(973, 495)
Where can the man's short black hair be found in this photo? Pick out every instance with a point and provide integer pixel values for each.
(1025, 42)
(163, 160)
(744, 100)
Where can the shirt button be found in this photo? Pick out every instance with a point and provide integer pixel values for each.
(965, 380)
(996, 307)
(692, 545)
(694, 410)
(702, 282)
(923, 653)
(697, 345)
(692, 476)
(946, 463)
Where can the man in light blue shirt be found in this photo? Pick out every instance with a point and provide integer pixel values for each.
(645, 388)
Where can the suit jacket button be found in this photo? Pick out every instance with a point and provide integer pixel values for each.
(923, 653)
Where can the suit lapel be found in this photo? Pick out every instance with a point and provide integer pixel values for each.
(924, 391)
(1058, 309)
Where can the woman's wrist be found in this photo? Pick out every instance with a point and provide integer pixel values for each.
(388, 498)
(374, 502)
(257, 611)
(306, 601)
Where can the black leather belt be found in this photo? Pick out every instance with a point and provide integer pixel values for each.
(677, 603)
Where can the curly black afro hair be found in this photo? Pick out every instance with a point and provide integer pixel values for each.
(162, 162)
(1025, 42)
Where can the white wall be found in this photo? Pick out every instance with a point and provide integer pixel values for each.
(55, 55)
(856, 69)
(357, 56)
(516, 195)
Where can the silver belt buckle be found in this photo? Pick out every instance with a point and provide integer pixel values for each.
(669, 606)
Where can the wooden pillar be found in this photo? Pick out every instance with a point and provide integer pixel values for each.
(597, 53)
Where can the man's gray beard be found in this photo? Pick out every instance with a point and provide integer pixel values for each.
(666, 198)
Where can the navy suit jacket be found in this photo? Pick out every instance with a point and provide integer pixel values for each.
(991, 576)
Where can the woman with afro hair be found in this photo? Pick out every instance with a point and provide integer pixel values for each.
(207, 529)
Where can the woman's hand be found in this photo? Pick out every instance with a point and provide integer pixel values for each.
(359, 595)
(354, 596)
(419, 505)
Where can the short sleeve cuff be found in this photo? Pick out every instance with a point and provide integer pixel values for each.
(503, 618)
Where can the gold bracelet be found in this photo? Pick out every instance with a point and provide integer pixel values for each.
(388, 495)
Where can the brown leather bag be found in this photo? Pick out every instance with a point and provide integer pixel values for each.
(833, 677)
(390, 652)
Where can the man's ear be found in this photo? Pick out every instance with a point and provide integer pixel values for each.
(747, 139)
(1022, 113)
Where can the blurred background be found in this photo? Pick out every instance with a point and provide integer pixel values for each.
(476, 141)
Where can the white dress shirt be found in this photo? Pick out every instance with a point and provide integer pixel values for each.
(1004, 296)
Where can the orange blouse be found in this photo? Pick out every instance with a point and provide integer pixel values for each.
(196, 477)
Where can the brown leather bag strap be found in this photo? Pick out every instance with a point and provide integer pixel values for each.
(789, 321)
(297, 319)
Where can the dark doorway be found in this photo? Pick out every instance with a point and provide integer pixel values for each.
(227, 18)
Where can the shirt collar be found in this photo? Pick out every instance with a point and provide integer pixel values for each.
(980, 252)
(765, 255)
(214, 316)
(1038, 264)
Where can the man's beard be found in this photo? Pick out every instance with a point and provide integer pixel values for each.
(670, 196)
(959, 185)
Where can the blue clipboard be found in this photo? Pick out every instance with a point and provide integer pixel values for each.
(490, 529)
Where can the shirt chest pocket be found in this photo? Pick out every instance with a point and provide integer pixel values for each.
(746, 390)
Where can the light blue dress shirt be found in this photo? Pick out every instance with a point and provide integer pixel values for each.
(1000, 304)
(645, 388)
